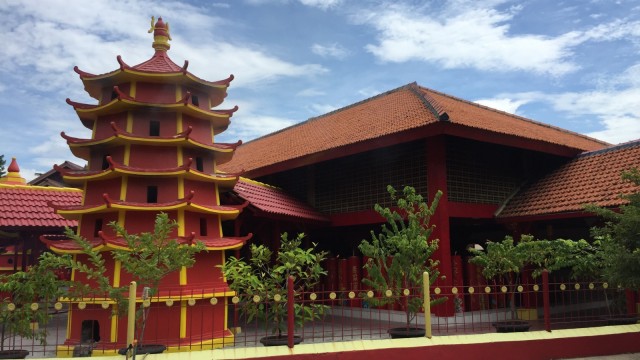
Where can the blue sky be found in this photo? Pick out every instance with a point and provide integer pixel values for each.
(572, 64)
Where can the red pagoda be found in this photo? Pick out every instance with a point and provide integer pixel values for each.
(152, 150)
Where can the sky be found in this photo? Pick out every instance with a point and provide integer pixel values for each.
(572, 64)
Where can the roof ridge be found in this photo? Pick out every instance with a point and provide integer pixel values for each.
(258, 183)
(37, 187)
(432, 104)
(516, 116)
(617, 147)
(407, 86)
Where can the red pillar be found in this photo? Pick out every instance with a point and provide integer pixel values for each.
(437, 180)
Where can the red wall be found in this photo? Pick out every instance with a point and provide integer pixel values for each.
(522, 350)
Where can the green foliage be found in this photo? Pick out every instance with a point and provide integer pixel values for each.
(20, 290)
(260, 276)
(3, 162)
(504, 260)
(94, 269)
(620, 237)
(152, 256)
(149, 258)
(402, 251)
(507, 259)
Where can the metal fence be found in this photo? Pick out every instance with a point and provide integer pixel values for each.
(333, 316)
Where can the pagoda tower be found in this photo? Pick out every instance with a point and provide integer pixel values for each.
(152, 150)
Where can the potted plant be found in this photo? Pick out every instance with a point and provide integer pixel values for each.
(25, 299)
(148, 258)
(400, 254)
(261, 284)
(503, 261)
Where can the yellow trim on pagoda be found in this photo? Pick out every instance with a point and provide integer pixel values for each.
(183, 275)
(181, 225)
(178, 93)
(114, 325)
(81, 150)
(119, 105)
(180, 187)
(122, 217)
(133, 88)
(127, 154)
(155, 299)
(116, 273)
(180, 155)
(129, 125)
(38, 187)
(129, 75)
(181, 174)
(179, 124)
(124, 183)
(183, 319)
(74, 214)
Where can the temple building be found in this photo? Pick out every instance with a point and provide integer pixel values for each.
(152, 150)
(25, 216)
(500, 174)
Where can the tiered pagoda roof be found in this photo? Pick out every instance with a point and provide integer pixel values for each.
(80, 147)
(228, 212)
(116, 170)
(122, 102)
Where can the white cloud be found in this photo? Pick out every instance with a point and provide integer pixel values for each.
(321, 109)
(332, 50)
(613, 107)
(369, 92)
(251, 123)
(618, 129)
(251, 67)
(322, 4)
(504, 104)
(477, 37)
(310, 93)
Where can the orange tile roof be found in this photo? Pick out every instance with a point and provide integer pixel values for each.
(26, 206)
(592, 178)
(405, 108)
(275, 201)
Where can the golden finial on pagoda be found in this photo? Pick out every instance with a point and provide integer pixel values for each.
(161, 35)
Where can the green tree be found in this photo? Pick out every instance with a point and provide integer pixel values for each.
(402, 251)
(620, 237)
(25, 299)
(267, 279)
(505, 260)
(2, 164)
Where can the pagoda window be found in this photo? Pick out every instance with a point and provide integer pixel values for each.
(97, 227)
(199, 164)
(154, 128)
(203, 227)
(194, 100)
(105, 163)
(114, 94)
(152, 194)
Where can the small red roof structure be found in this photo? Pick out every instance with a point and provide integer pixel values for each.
(23, 205)
(273, 202)
(594, 177)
